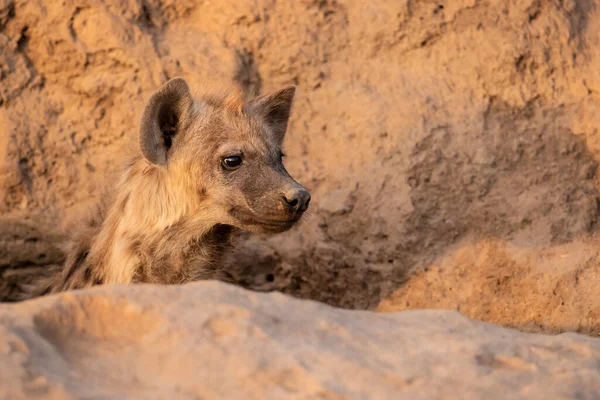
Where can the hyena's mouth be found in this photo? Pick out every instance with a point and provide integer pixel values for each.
(268, 224)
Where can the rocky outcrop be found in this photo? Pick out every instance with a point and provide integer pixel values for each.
(209, 340)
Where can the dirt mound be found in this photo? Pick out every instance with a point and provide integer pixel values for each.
(421, 128)
(118, 342)
(549, 289)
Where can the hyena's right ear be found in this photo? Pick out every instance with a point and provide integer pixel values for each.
(162, 119)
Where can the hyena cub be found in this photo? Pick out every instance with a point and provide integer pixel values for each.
(207, 169)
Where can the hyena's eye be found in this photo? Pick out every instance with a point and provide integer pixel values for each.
(232, 162)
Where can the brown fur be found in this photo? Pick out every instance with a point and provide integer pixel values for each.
(172, 214)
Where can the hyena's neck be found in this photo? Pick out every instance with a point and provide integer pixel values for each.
(151, 231)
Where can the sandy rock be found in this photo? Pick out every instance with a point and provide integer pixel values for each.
(209, 340)
(532, 288)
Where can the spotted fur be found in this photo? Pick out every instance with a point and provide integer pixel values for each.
(174, 211)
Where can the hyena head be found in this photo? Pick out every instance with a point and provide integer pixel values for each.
(227, 153)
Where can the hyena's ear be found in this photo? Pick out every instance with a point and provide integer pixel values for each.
(162, 119)
(274, 109)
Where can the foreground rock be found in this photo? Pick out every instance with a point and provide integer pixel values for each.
(210, 340)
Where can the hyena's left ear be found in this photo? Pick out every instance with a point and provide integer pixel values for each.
(163, 118)
(274, 109)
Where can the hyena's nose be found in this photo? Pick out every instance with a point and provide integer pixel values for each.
(296, 200)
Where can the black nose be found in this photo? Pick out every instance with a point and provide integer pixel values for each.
(296, 200)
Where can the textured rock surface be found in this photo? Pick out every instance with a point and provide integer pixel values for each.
(426, 131)
(208, 340)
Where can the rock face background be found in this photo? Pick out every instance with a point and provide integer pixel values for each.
(451, 147)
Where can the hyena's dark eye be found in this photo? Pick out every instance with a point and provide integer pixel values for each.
(232, 162)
